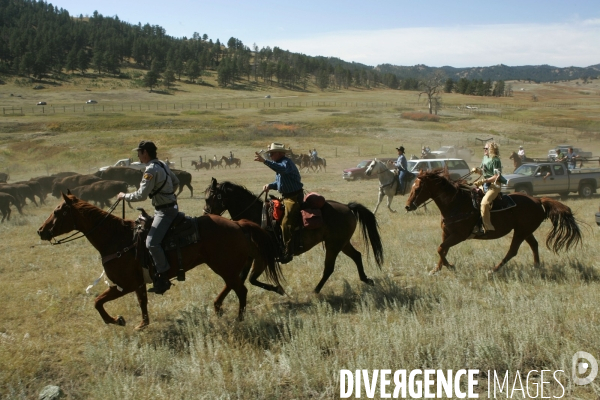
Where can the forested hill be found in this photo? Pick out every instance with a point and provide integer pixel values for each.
(537, 73)
(38, 40)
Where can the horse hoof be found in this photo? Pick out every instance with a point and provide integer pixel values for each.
(451, 266)
(143, 325)
(491, 272)
(120, 320)
(433, 272)
(280, 291)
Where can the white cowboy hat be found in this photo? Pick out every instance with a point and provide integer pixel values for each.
(277, 147)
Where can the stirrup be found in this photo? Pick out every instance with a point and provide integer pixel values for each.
(161, 285)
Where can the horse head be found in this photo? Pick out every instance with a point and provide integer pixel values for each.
(422, 189)
(375, 166)
(61, 220)
(213, 197)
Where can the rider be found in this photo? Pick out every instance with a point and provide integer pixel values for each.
(288, 183)
(491, 169)
(230, 155)
(200, 159)
(159, 183)
(314, 154)
(521, 153)
(401, 164)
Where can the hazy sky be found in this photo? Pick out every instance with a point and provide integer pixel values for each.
(434, 32)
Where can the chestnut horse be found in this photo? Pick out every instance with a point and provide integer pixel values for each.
(112, 237)
(459, 217)
(517, 161)
(229, 162)
(339, 223)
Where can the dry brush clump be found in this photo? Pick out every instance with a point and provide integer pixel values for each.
(418, 116)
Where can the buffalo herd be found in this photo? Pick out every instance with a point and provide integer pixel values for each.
(99, 187)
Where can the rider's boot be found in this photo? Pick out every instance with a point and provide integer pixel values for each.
(161, 283)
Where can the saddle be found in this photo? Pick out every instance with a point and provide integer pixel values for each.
(274, 210)
(182, 232)
(502, 202)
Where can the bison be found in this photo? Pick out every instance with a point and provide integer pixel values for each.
(5, 201)
(36, 189)
(46, 183)
(132, 176)
(4, 177)
(185, 179)
(70, 182)
(14, 192)
(100, 192)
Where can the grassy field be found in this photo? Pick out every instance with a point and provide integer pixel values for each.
(521, 319)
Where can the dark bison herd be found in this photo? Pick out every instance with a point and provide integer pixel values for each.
(99, 187)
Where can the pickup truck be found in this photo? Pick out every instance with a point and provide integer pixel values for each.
(564, 149)
(452, 152)
(552, 177)
(128, 162)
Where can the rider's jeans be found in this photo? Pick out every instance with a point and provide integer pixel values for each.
(162, 221)
(402, 180)
(486, 206)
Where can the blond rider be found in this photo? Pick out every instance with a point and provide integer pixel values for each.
(491, 169)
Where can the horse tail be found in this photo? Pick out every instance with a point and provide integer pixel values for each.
(369, 229)
(565, 232)
(268, 251)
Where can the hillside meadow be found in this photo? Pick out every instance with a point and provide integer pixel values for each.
(521, 319)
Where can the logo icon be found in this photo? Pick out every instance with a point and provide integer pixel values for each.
(580, 368)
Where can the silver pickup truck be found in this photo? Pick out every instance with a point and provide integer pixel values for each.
(552, 177)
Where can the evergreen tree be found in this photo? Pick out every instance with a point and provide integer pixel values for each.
(168, 78)
(83, 62)
(72, 60)
(151, 79)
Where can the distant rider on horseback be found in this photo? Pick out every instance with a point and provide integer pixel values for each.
(288, 183)
(402, 166)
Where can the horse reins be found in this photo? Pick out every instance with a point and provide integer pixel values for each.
(220, 197)
(70, 238)
(433, 198)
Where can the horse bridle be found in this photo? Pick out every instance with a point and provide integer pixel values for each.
(433, 198)
(70, 238)
(213, 193)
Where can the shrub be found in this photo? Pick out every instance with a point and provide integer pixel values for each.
(419, 116)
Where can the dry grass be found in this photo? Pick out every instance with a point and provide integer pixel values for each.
(288, 347)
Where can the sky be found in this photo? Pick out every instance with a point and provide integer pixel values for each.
(434, 33)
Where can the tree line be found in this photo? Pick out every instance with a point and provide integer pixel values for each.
(478, 87)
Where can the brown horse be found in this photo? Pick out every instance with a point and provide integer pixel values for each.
(199, 165)
(340, 222)
(459, 217)
(112, 237)
(229, 162)
(517, 161)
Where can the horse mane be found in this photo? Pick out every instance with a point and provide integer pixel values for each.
(238, 191)
(441, 177)
(112, 222)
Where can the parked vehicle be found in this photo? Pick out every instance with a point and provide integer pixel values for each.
(564, 148)
(91, 102)
(456, 167)
(552, 177)
(358, 172)
(41, 103)
(453, 152)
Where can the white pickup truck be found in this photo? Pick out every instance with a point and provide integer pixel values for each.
(128, 162)
(552, 177)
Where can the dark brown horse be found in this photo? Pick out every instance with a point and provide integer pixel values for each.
(199, 165)
(112, 237)
(517, 161)
(229, 162)
(340, 222)
(459, 217)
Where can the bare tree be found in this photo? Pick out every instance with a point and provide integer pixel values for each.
(432, 87)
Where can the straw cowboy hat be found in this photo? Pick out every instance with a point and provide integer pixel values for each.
(277, 147)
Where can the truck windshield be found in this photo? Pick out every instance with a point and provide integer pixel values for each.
(526, 170)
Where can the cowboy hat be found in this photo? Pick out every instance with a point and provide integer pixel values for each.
(146, 145)
(401, 148)
(277, 147)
